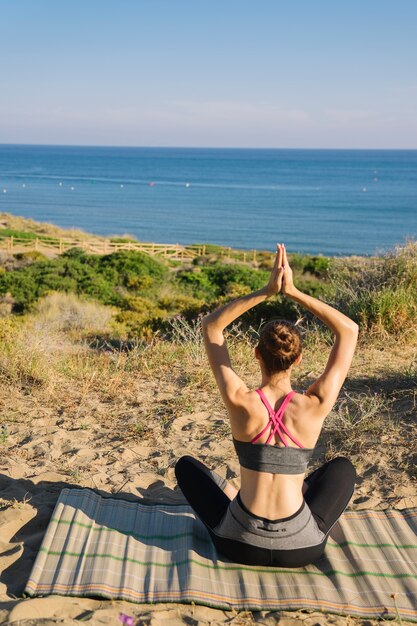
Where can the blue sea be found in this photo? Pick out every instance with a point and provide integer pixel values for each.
(334, 202)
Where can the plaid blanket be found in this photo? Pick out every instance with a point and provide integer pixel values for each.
(103, 546)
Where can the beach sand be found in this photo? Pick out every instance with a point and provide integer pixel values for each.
(78, 437)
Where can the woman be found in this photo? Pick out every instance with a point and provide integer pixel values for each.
(278, 517)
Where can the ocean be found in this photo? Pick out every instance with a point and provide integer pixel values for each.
(332, 202)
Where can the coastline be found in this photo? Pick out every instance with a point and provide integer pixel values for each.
(330, 202)
(18, 226)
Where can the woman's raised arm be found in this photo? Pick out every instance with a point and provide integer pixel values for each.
(326, 388)
(229, 383)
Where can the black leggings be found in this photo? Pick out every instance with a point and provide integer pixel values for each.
(330, 488)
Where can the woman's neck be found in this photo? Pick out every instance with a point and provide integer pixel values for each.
(277, 382)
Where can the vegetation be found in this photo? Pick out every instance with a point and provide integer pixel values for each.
(109, 350)
(146, 291)
(379, 293)
(21, 234)
(107, 278)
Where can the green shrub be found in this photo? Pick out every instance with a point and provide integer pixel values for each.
(236, 290)
(74, 253)
(187, 305)
(318, 265)
(214, 281)
(380, 294)
(388, 310)
(123, 240)
(221, 276)
(128, 264)
(102, 277)
(31, 256)
(141, 318)
(276, 308)
(21, 234)
(198, 282)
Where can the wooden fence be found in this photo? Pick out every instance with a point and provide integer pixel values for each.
(54, 245)
(95, 246)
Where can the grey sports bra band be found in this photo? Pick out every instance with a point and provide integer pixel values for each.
(273, 459)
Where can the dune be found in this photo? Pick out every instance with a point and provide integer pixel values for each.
(115, 418)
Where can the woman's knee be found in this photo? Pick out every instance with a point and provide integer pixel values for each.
(183, 466)
(343, 467)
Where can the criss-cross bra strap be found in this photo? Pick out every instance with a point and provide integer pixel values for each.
(278, 425)
(275, 422)
(280, 422)
(271, 415)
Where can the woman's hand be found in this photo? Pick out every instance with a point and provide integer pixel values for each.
(287, 281)
(275, 281)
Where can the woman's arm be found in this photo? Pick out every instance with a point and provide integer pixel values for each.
(326, 388)
(229, 383)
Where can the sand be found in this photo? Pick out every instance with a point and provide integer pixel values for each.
(47, 449)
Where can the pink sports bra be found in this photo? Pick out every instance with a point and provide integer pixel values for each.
(275, 422)
(263, 457)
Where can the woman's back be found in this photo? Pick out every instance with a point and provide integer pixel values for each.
(272, 475)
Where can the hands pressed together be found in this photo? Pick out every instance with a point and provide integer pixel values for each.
(281, 278)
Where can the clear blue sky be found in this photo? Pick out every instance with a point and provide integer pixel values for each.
(267, 73)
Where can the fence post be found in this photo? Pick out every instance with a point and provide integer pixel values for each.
(61, 246)
(204, 250)
(36, 243)
(11, 243)
(254, 256)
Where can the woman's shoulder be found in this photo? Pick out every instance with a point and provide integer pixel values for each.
(251, 400)
(304, 404)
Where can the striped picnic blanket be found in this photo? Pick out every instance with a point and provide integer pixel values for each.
(103, 546)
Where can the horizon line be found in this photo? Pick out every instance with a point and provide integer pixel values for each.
(162, 147)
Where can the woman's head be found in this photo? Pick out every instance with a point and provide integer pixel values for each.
(279, 346)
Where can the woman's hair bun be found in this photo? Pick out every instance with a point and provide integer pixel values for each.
(279, 345)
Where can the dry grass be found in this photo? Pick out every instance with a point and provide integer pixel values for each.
(380, 293)
(15, 222)
(36, 350)
(66, 312)
(137, 406)
(138, 391)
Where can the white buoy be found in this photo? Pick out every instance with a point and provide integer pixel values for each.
(4, 190)
(23, 185)
(60, 184)
(121, 186)
(187, 185)
(364, 189)
(72, 188)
